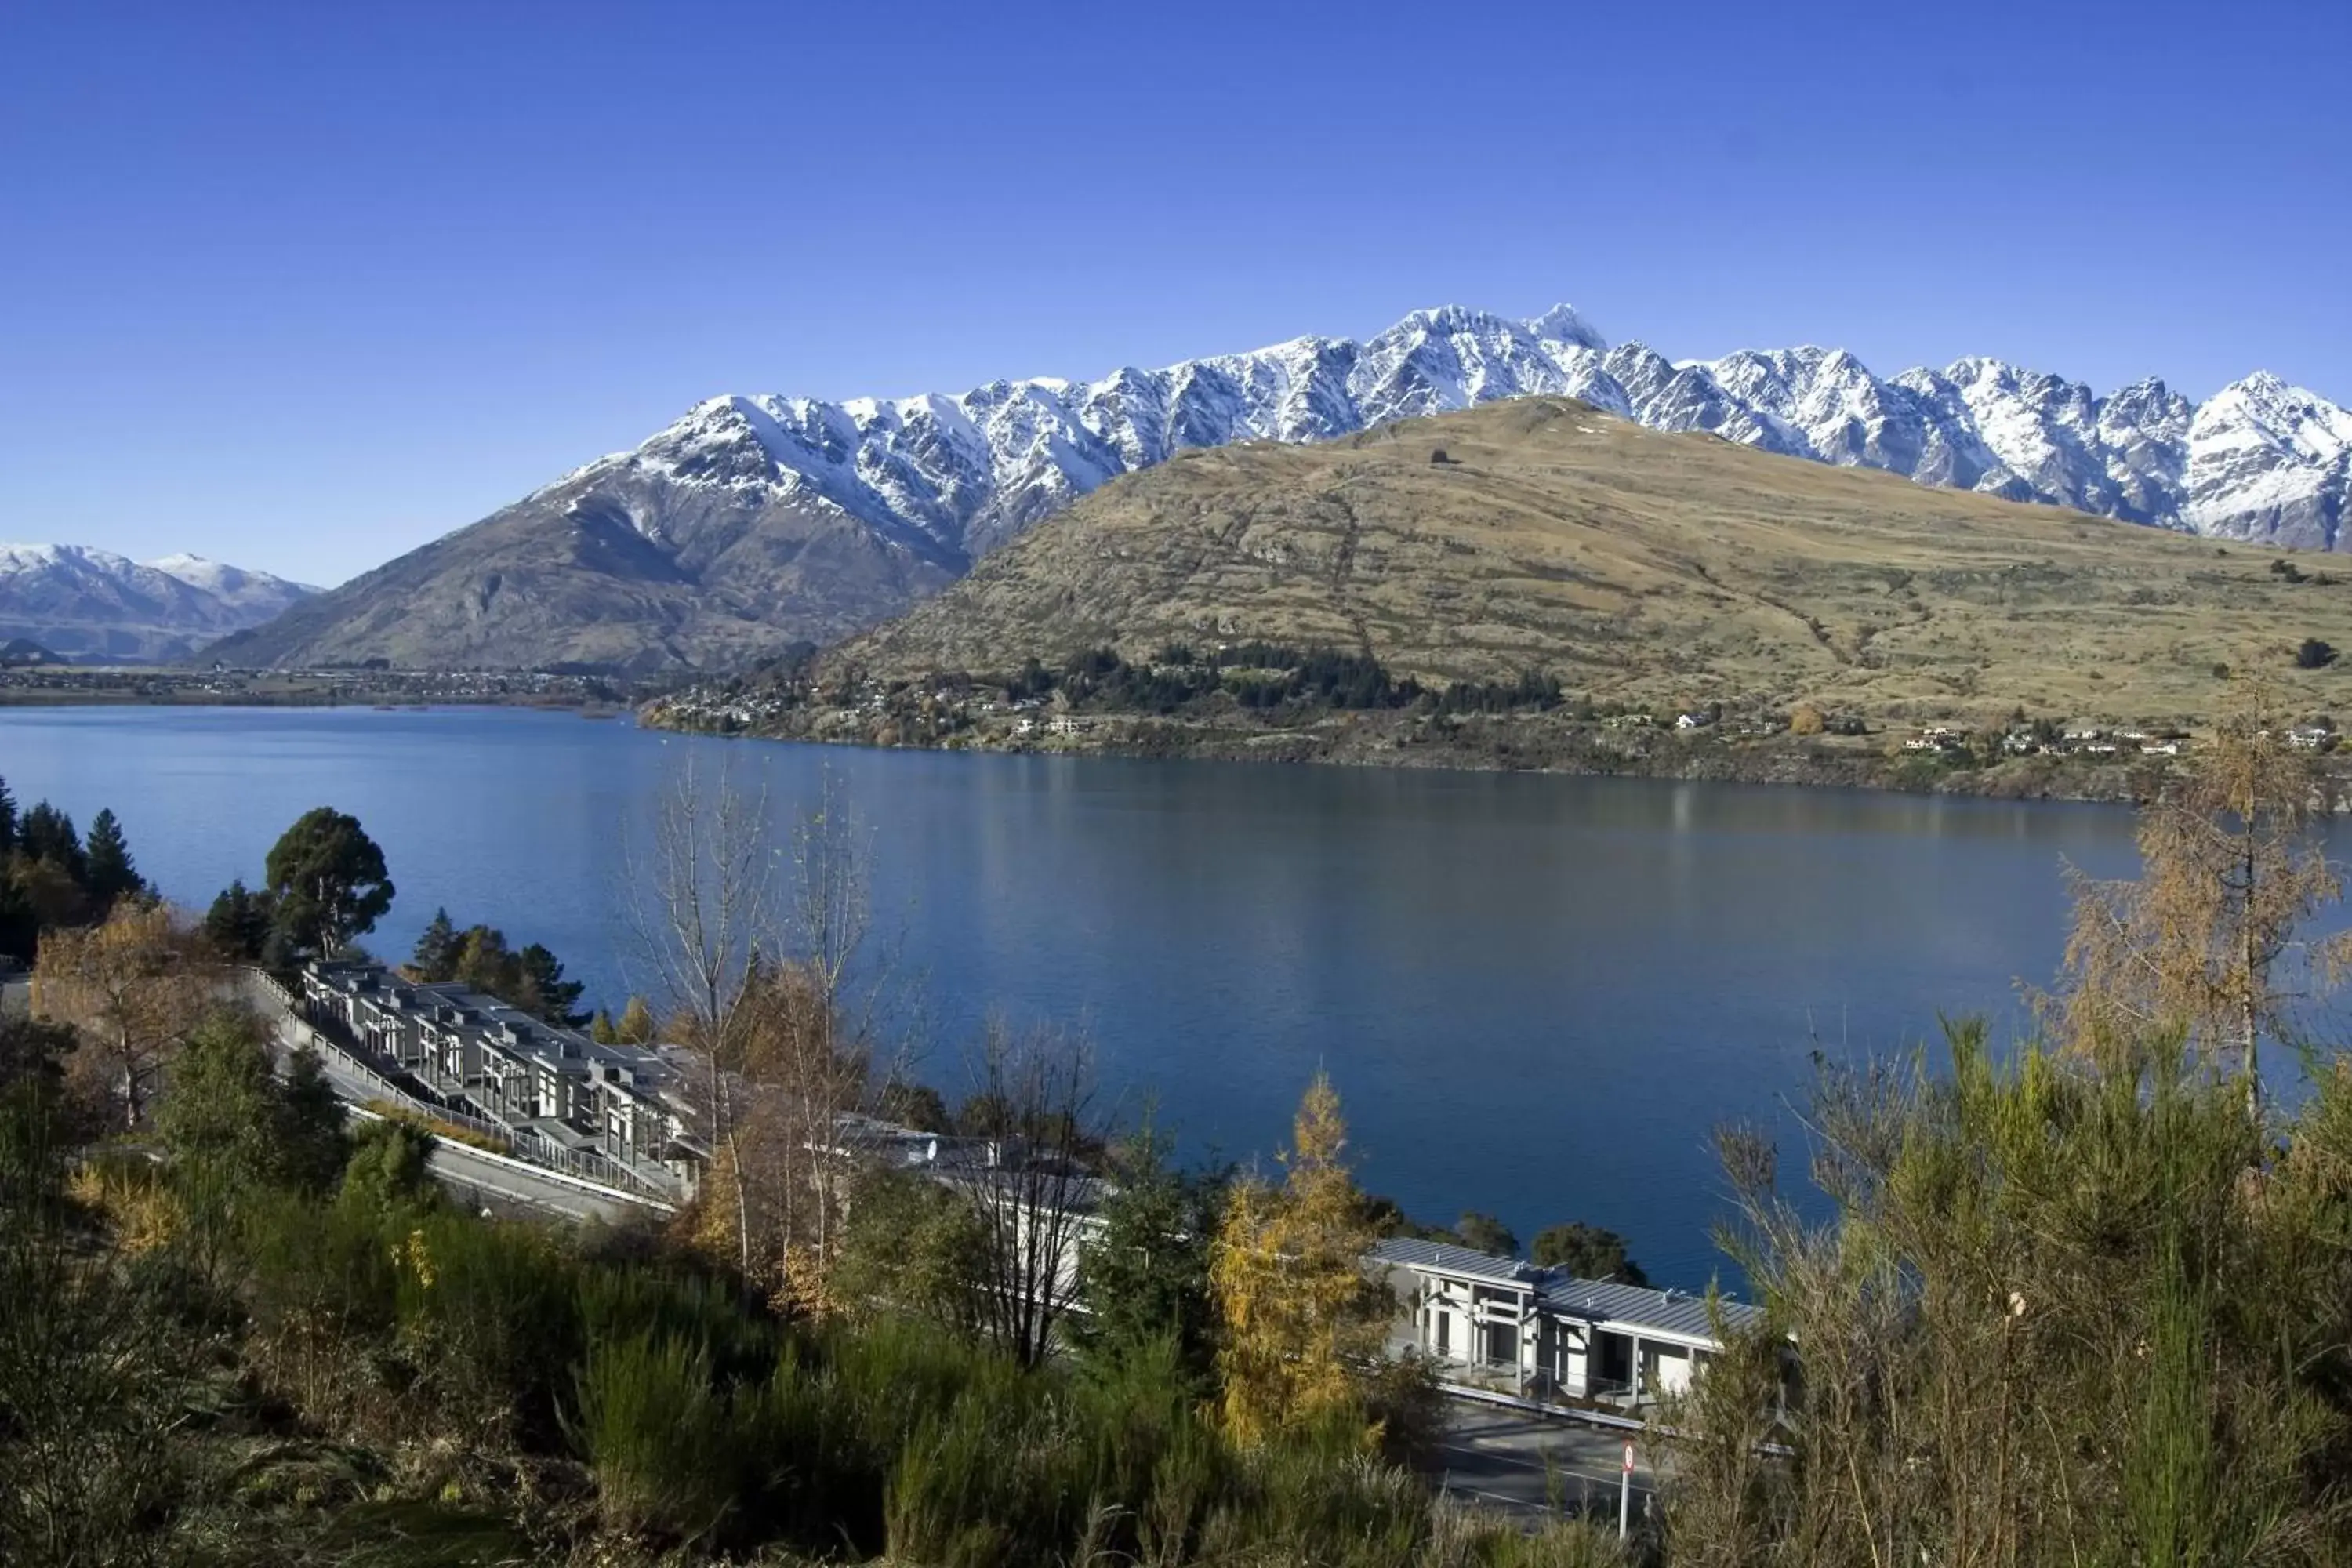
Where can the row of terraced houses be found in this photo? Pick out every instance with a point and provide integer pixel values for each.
(628, 1108)
(1500, 1323)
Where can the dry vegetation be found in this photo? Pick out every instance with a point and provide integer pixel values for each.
(1636, 566)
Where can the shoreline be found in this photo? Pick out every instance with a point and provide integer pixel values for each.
(1530, 743)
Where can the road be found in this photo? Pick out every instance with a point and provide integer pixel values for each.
(1536, 1465)
(476, 1178)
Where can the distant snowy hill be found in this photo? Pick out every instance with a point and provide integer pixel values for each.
(756, 521)
(94, 607)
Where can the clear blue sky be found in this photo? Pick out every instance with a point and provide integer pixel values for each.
(302, 287)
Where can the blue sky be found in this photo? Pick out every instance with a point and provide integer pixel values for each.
(302, 287)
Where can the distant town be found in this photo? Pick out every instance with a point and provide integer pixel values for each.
(36, 683)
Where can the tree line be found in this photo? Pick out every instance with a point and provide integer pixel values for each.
(52, 878)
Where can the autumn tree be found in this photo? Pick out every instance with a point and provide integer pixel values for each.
(136, 986)
(2231, 867)
(1302, 1322)
(635, 1026)
(328, 879)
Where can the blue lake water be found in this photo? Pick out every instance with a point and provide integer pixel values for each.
(1538, 996)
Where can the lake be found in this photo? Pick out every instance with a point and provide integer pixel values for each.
(1537, 995)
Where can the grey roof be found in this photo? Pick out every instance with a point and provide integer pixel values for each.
(1677, 1312)
(1445, 1258)
(1668, 1312)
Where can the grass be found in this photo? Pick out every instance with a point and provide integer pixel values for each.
(1663, 570)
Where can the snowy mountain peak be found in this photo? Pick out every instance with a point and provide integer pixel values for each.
(94, 605)
(953, 476)
(1564, 324)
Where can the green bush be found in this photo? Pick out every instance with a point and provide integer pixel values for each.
(661, 1441)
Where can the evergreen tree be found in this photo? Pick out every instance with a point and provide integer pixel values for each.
(237, 925)
(20, 922)
(550, 995)
(220, 1123)
(436, 958)
(1586, 1251)
(312, 1147)
(1485, 1233)
(47, 833)
(7, 818)
(328, 882)
(1143, 1273)
(389, 1170)
(108, 874)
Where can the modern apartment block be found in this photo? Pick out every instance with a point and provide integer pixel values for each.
(631, 1106)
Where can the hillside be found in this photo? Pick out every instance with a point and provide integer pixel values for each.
(95, 606)
(754, 522)
(1634, 565)
(634, 571)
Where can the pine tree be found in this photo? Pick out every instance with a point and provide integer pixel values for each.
(237, 925)
(550, 997)
(1301, 1320)
(7, 818)
(436, 958)
(48, 834)
(312, 1147)
(107, 873)
(1143, 1271)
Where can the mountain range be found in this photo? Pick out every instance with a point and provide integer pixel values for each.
(1660, 569)
(755, 521)
(95, 606)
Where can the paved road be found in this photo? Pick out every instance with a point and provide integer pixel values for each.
(482, 1183)
(1530, 1464)
(473, 1177)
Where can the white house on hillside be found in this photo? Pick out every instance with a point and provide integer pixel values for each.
(1543, 1334)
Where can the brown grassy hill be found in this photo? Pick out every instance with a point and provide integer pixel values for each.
(1634, 565)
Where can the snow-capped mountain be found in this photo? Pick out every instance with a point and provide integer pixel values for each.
(95, 606)
(754, 521)
(2260, 460)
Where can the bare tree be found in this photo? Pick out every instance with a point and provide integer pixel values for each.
(704, 908)
(1034, 1094)
(2231, 868)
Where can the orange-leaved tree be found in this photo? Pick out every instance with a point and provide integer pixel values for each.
(136, 986)
(1303, 1324)
(2231, 867)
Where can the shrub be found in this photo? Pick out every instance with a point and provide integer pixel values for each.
(2314, 655)
(661, 1441)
